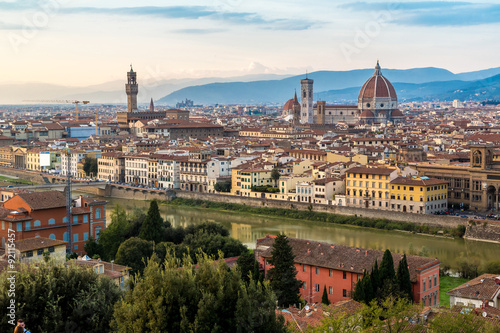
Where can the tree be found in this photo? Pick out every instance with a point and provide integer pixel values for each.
(391, 315)
(375, 278)
(134, 252)
(90, 166)
(403, 279)
(387, 267)
(223, 186)
(93, 248)
(275, 175)
(246, 264)
(115, 234)
(211, 298)
(324, 298)
(152, 228)
(60, 299)
(283, 273)
(211, 244)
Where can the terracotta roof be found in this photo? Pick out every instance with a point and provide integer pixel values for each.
(43, 200)
(30, 244)
(418, 181)
(484, 287)
(371, 171)
(341, 257)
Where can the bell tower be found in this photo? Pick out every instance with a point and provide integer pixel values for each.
(306, 101)
(132, 88)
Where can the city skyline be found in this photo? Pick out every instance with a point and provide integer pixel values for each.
(83, 43)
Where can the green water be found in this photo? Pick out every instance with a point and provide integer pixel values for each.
(248, 228)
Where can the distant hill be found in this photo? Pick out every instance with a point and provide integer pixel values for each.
(335, 86)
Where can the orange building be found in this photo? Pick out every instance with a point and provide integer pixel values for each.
(339, 267)
(43, 214)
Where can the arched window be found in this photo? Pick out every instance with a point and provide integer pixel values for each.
(65, 237)
(36, 223)
(65, 219)
(98, 213)
(52, 236)
(52, 221)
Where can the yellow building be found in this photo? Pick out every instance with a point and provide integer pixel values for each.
(369, 187)
(255, 177)
(419, 195)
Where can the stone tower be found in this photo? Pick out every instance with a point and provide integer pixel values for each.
(151, 105)
(306, 100)
(296, 111)
(320, 117)
(132, 88)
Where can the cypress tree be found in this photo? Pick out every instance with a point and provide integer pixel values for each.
(359, 290)
(368, 288)
(375, 278)
(387, 272)
(283, 275)
(403, 279)
(152, 228)
(325, 299)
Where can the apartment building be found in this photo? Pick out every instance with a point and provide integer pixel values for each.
(421, 195)
(369, 187)
(136, 170)
(111, 167)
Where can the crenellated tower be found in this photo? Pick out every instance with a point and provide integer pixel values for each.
(132, 88)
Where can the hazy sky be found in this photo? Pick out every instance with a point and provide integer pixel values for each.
(91, 42)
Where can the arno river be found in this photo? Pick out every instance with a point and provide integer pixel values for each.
(248, 228)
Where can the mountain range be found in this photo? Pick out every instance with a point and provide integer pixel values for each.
(414, 84)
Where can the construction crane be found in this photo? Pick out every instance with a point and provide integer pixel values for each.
(77, 111)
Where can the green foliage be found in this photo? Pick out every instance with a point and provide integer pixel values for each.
(391, 315)
(265, 189)
(275, 175)
(403, 279)
(467, 267)
(492, 267)
(324, 298)
(93, 248)
(313, 216)
(223, 186)
(387, 267)
(452, 322)
(247, 266)
(60, 299)
(283, 273)
(152, 229)
(133, 252)
(211, 244)
(211, 298)
(90, 166)
(115, 234)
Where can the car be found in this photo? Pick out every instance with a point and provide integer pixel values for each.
(464, 216)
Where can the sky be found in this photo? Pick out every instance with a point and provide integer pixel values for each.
(87, 42)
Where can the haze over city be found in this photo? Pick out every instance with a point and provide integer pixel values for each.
(79, 43)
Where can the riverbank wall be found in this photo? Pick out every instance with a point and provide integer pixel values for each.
(439, 221)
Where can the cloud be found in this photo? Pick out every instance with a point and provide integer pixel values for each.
(198, 31)
(192, 13)
(433, 13)
(11, 26)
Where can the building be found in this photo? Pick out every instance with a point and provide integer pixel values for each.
(339, 267)
(475, 185)
(421, 195)
(118, 273)
(306, 101)
(136, 170)
(193, 171)
(111, 167)
(34, 250)
(43, 214)
(483, 291)
(369, 187)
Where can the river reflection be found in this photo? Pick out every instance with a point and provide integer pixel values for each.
(248, 228)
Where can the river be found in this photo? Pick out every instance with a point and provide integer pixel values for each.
(248, 228)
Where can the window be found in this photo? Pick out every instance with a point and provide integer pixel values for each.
(76, 247)
(75, 219)
(85, 218)
(85, 236)
(344, 276)
(344, 293)
(97, 231)
(52, 236)
(51, 249)
(435, 280)
(430, 282)
(330, 290)
(317, 270)
(98, 213)
(75, 237)
(304, 285)
(19, 226)
(424, 286)
(304, 269)
(36, 223)
(65, 237)
(39, 252)
(29, 254)
(330, 272)
(28, 225)
(65, 220)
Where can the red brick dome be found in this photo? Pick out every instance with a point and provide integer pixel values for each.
(377, 86)
(288, 105)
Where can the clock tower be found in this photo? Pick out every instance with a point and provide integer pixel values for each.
(132, 88)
